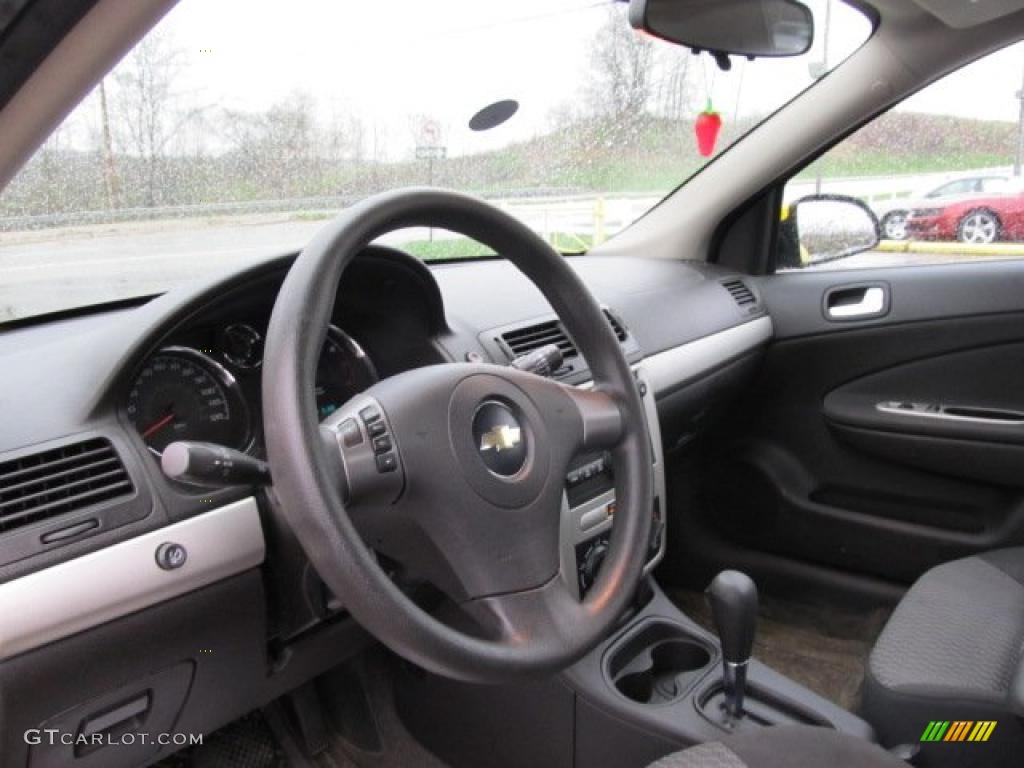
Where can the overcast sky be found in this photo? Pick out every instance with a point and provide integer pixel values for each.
(387, 60)
(392, 61)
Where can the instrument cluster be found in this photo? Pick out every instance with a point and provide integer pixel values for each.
(211, 393)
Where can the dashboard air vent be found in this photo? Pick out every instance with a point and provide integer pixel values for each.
(523, 340)
(43, 485)
(740, 293)
(620, 331)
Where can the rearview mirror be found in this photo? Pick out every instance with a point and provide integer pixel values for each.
(741, 27)
(822, 228)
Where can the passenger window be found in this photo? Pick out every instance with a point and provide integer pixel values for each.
(941, 172)
(953, 188)
(994, 184)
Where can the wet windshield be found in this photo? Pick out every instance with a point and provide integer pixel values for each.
(235, 128)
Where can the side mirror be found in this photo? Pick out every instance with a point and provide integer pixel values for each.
(823, 228)
(722, 27)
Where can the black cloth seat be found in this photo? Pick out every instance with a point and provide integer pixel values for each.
(951, 651)
(796, 746)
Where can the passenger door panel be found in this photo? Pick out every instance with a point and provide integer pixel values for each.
(955, 414)
(809, 469)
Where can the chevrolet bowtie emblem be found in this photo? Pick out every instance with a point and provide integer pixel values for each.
(501, 438)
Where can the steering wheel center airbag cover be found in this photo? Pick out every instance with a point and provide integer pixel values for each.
(500, 440)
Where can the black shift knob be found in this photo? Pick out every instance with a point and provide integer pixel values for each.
(733, 598)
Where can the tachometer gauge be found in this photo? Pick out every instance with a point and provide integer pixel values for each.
(180, 394)
(344, 371)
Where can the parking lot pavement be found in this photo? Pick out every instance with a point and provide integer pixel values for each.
(47, 270)
(51, 269)
(40, 273)
(876, 259)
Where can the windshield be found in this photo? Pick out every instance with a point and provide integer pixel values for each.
(235, 128)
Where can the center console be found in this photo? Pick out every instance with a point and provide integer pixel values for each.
(659, 682)
(661, 672)
(663, 676)
(588, 506)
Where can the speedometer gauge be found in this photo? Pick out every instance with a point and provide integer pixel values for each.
(180, 394)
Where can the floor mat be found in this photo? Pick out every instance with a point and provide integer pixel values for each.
(819, 646)
(245, 743)
(397, 747)
(250, 741)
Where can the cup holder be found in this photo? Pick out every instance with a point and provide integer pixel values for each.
(657, 664)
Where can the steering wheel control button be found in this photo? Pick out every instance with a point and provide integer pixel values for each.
(366, 458)
(500, 439)
(351, 434)
(171, 556)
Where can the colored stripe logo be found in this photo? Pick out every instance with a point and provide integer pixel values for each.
(958, 730)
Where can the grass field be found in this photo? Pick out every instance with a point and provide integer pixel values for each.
(884, 164)
(467, 248)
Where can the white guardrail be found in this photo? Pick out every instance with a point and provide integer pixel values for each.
(882, 188)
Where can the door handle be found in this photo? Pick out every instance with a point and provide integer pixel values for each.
(856, 302)
(124, 713)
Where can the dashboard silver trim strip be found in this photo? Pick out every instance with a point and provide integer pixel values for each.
(666, 371)
(104, 585)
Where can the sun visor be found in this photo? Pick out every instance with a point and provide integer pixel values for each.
(961, 15)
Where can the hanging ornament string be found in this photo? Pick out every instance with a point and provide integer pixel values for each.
(709, 84)
(709, 122)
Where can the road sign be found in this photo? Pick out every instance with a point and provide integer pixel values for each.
(430, 133)
(429, 152)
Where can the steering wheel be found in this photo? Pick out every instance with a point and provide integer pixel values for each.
(455, 471)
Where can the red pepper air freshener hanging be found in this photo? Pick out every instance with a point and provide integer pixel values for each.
(707, 128)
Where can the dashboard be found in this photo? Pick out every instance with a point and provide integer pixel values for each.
(188, 365)
(90, 400)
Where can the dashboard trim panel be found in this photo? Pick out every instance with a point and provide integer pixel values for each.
(667, 371)
(93, 589)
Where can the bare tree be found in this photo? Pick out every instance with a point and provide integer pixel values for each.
(149, 105)
(676, 88)
(621, 69)
(343, 137)
(276, 149)
(111, 182)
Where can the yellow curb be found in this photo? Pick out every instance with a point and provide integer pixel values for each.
(892, 246)
(959, 249)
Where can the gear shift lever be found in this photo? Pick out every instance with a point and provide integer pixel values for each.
(733, 598)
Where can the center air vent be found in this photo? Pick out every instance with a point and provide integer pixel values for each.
(44, 485)
(740, 293)
(523, 340)
(620, 331)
